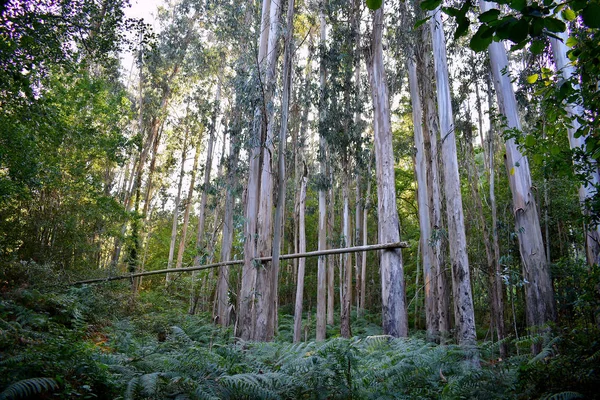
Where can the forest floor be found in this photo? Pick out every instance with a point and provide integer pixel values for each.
(94, 342)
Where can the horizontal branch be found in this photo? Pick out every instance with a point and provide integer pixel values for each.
(356, 249)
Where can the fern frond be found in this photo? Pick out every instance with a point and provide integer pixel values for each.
(28, 387)
(563, 396)
(546, 351)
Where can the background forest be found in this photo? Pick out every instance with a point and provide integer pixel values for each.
(151, 175)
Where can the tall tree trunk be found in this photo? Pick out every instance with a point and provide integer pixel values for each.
(426, 71)
(423, 202)
(365, 237)
(264, 328)
(394, 312)
(330, 228)
(176, 209)
(301, 261)
(281, 177)
(228, 228)
(245, 326)
(346, 265)
(200, 249)
(567, 70)
(538, 288)
(324, 310)
(464, 313)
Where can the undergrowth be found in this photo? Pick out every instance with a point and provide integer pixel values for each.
(91, 342)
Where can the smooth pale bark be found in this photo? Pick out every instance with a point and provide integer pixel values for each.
(302, 261)
(188, 206)
(394, 312)
(245, 328)
(324, 291)
(464, 314)
(264, 318)
(357, 239)
(346, 264)
(363, 272)
(538, 285)
(176, 209)
(423, 202)
(330, 259)
(586, 191)
(281, 177)
(425, 72)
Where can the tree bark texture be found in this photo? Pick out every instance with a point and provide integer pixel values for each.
(394, 311)
(538, 285)
(464, 314)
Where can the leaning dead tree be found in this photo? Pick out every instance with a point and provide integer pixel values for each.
(387, 246)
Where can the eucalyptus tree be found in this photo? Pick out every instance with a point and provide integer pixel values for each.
(394, 310)
(324, 272)
(464, 314)
(540, 308)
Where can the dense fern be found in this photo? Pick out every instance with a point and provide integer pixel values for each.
(28, 387)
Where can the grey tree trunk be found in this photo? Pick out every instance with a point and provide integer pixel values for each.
(245, 325)
(538, 287)
(324, 296)
(281, 177)
(567, 71)
(264, 328)
(301, 261)
(367, 205)
(394, 312)
(423, 202)
(464, 314)
(346, 265)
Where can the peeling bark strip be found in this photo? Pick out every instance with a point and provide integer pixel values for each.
(389, 247)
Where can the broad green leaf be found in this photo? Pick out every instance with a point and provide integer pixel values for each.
(421, 22)
(490, 15)
(518, 5)
(554, 25)
(529, 140)
(533, 78)
(481, 39)
(512, 171)
(518, 31)
(537, 26)
(537, 47)
(571, 41)
(591, 15)
(463, 26)
(569, 14)
(430, 4)
(374, 4)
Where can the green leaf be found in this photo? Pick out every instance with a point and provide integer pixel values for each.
(463, 26)
(533, 78)
(518, 31)
(568, 14)
(430, 4)
(481, 39)
(571, 41)
(421, 22)
(537, 26)
(537, 47)
(529, 140)
(554, 25)
(591, 15)
(490, 15)
(374, 4)
(518, 5)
